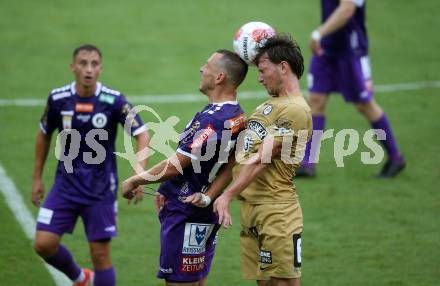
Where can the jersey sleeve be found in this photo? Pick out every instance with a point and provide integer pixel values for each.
(290, 121)
(136, 126)
(49, 120)
(209, 132)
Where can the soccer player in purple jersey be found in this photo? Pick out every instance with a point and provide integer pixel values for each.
(86, 179)
(188, 233)
(340, 64)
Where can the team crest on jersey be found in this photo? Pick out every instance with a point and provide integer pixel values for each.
(267, 109)
(195, 237)
(99, 120)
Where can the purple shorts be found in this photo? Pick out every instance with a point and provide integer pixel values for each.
(349, 75)
(58, 215)
(187, 240)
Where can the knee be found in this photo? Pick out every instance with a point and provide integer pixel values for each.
(371, 110)
(317, 103)
(101, 258)
(45, 248)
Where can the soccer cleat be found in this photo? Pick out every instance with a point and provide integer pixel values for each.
(305, 172)
(88, 280)
(392, 168)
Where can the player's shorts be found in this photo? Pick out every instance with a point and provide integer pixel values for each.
(349, 75)
(271, 240)
(59, 215)
(187, 243)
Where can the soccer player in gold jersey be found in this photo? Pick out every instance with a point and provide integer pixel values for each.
(270, 150)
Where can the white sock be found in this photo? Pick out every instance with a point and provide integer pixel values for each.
(80, 278)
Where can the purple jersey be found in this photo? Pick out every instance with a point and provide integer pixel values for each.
(88, 183)
(352, 38)
(202, 141)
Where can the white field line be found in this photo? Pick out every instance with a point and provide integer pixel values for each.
(243, 95)
(24, 218)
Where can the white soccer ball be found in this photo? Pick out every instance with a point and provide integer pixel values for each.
(249, 37)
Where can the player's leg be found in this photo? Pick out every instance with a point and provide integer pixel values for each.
(100, 226)
(359, 90)
(56, 217)
(321, 83)
(280, 282)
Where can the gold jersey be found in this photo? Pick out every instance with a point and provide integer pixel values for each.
(287, 119)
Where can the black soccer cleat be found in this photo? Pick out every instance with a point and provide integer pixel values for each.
(392, 168)
(305, 172)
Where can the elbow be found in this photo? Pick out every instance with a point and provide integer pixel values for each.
(347, 12)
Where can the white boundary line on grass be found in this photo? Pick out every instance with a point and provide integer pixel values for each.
(24, 217)
(195, 97)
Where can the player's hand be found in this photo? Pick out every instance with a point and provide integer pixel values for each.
(159, 202)
(37, 192)
(138, 195)
(221, 207)
(128, 189)
(198, 199)
(315, 43)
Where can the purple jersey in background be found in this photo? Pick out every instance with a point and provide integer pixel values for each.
(352, 38)
(88, 183)
(204, 132)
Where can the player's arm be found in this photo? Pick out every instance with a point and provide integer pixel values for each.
(336, 21)
(161, 172)
(42, 145)
(223, 178)
(251, 169)
(142, 143)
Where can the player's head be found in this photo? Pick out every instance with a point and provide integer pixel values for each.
(86, 65)
(278, 56)
(222, 68)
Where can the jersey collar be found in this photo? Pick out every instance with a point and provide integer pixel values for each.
(97, 92)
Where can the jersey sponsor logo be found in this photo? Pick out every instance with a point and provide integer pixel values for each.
(203, 137)
(265, 256)
(45, 215)
(192, 263)
(236, 124)
(83, 117)
(67, 120)
(84, 107)
(297, 249)
(99, 120)
(267, 110)
(104, 97)
(188, 134)
(131, 117)
(258, 128)
(195, 237)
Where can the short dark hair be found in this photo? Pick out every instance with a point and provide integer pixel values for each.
(280, 48)
(86, 47)
(234, 66)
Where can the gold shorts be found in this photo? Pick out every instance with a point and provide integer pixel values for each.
(271, 240)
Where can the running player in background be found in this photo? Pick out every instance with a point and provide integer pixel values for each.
(89, 113)
(188, 233)
(273, 145)
(340, 63)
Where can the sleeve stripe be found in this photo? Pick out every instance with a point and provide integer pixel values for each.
(186, 154)
(139, 130)
(42, 128)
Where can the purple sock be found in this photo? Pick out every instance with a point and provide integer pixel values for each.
(63, 261)
(312, 147)
(105, 277)
(390, 143)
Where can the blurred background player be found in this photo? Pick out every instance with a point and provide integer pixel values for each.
(187, 232)
(89, 189)
(271, 216)
(340, 63)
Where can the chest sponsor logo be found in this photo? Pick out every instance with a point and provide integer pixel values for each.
(84, 107)
(203, 136)
(99, 120)
(83, 117)
(258, 128)
(195, 237)
(104, 97)
(192, 263)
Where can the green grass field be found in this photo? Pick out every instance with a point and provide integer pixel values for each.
(357, 230)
